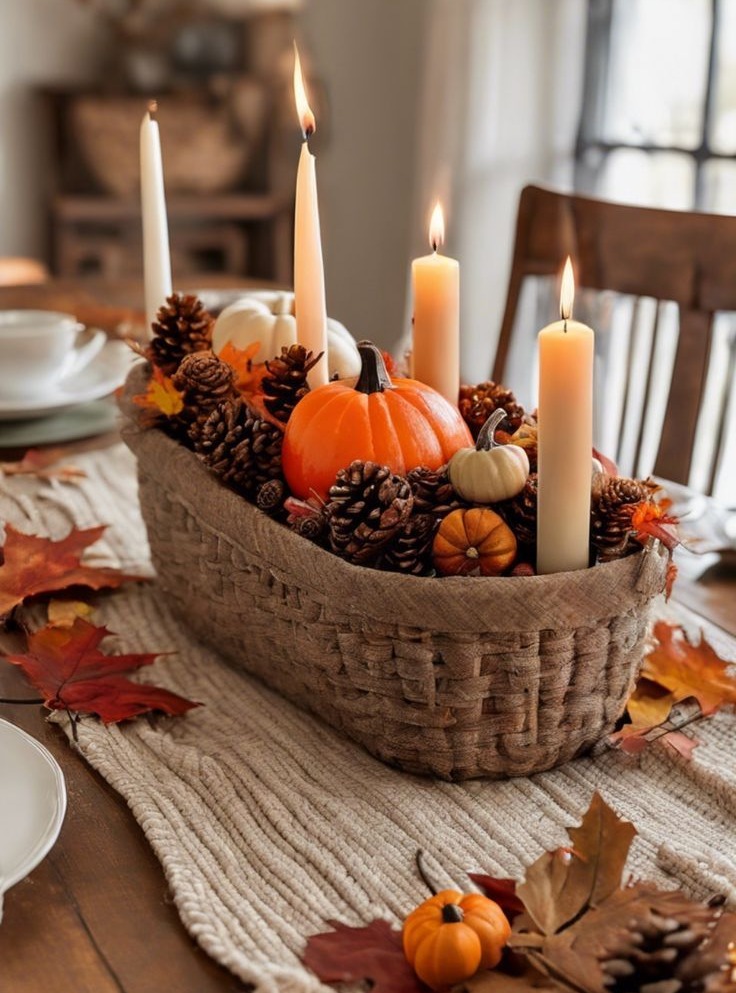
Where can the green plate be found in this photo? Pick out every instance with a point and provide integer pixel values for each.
(83, 421)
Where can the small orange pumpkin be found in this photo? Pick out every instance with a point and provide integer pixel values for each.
(399, 423)
(449, 937)
(475, 540)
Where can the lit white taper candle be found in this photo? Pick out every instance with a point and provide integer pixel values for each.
(436, 330)
(565, 438)
(156, 258)
(309, 278)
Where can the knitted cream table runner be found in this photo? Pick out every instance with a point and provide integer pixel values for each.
(268, 824)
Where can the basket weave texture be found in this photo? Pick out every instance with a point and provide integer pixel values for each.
(455, 677)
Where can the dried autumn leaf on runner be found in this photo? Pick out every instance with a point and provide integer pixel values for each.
(67, 667)
(356, 954)
(637, 930)
(564, 883)
(63, 613)
(503, 891)
(33, 565)
(161, 399)
(39, 462)
(674, 671)
(689, 670)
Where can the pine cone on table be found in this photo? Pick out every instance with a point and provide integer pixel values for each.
(660, 947)
(410, 552)
(204, 380)
(285, 383)
(239, 446)
(368, 506)
(182, 326)
(433, 491)
(613, 501)
(477, 403)
(520, 513)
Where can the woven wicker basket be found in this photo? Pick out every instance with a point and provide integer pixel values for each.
(455, 678)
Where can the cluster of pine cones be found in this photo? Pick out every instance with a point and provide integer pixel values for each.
(373, 517)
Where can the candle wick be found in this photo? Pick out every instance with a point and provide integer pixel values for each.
(152, 109)
(564, 325)
(308, 133)
(434, 247)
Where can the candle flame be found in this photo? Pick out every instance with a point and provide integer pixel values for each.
(437, 227)
(306, 117)
(567, 291)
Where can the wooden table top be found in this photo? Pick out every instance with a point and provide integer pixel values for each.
(96, 915)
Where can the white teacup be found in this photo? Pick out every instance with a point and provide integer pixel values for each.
(39, 349)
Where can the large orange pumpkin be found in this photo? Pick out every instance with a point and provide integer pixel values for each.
(399, 423)
(449, 937)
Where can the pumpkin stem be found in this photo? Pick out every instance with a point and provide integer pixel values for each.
(452, 914)
(373, 376)
(419, 859)
(485, 436)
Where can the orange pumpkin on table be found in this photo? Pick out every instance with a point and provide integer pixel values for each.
(399, 423)
(449, 937)
(475, 540)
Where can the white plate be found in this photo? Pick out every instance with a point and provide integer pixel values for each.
(103, 375)
(32, 803)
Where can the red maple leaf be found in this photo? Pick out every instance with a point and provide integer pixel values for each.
(66, 666)
(33, 565)
(356, 954)
(503, 891)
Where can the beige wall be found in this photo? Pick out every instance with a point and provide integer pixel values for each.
(41, 41)
(369, 55)
(368, 52)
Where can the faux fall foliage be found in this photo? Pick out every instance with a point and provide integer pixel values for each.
(63, 660)
(66, 666)
(576, 927)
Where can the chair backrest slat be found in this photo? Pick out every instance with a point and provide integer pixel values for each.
(688, 258)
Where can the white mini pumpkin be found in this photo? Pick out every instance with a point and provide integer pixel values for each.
(267, 316)
(489, 472)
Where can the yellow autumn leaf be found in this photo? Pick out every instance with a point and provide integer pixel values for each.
(161, 395)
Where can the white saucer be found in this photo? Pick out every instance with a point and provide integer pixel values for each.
(101, 377)
(32, 803)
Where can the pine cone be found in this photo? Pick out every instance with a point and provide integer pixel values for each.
(312, 528)
(613, 500)
(520, 513)
(433, 491)
(411, 550)
(204, 380)
(286, 381)
(270, 497)
(182, 326)
(239, 446)
(660, 946)
(477, 403)
(368, 506)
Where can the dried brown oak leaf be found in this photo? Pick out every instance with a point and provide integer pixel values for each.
(32, 566)
(356, 954)
(562, 885)
(67, 667)
(577, 958)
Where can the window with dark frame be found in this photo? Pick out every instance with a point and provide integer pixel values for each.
(658, 116)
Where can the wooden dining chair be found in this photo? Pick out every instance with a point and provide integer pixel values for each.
(688, 258)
